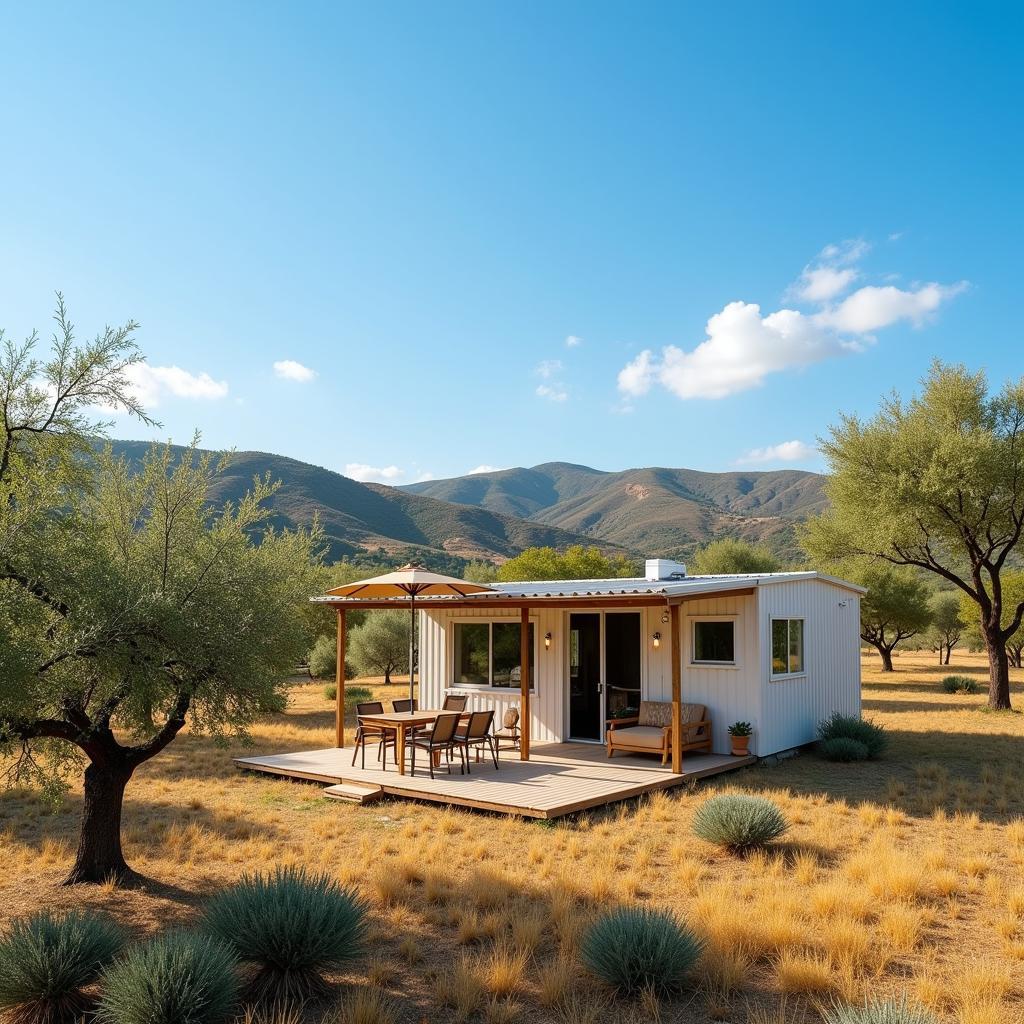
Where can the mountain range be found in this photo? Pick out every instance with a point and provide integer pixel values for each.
(494, 515)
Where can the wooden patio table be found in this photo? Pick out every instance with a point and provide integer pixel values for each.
(401, 722)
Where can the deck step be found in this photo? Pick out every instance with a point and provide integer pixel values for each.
(354, 793)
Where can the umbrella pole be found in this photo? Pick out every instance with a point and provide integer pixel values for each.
(412, 647)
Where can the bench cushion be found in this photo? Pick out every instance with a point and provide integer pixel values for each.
(659, 713)
(638, 736)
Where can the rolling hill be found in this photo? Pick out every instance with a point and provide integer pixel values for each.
(366, 517)
(650, 511)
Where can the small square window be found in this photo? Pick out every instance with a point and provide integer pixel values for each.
(787, 647)
(714, 643)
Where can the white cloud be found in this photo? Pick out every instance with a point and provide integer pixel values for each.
(376, 474)
(289, 369)
(422, 478)
(636, 377)
(573, 341)
(547, 368)
(785, 451)
(742, 346)
(552, 392)
(871, 308)
(151, 384)
(485, 469)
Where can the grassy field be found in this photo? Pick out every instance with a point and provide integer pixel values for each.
(905, 874)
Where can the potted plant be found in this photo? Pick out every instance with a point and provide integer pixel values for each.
(739, 735)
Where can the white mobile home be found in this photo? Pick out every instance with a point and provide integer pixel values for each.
(591, 678)
(780, 651)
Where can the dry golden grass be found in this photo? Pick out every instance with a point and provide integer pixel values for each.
(897, 875)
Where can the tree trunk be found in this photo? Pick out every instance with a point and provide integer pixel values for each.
(99, 856)
(387, 676)
(949, 651)
(998, 672)
(885, 653)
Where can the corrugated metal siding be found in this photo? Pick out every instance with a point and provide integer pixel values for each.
(792, 708)
(547, 700)
(784, 714)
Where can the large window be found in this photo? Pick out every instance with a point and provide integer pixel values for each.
(714, 642)
(487, 654)
(787, 647)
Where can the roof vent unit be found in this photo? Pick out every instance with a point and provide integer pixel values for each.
(664, 569)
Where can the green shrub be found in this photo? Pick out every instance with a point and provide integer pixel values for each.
(637, 948)
(46, 960)
(323, 659)
(843, 748)
(739, 823)
(353, 694)
(177, 978)
(878, 1011)
(851, 727)
(290, 927)
(960, 684)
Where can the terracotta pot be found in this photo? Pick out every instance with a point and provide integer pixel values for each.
(740, 745)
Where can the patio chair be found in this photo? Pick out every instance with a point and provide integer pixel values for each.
(440, 741)
(455, 702)
(382, 737)
(477, 733)
(398, 706)
(650, 732)
(509, 729)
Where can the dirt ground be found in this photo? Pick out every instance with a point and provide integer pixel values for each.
(900, 875)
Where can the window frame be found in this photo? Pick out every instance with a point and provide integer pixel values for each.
(726, 617)
(778, 677)
(490, 623)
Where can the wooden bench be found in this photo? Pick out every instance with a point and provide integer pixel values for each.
(650, 732)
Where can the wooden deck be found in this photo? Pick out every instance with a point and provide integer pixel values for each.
(558, 779)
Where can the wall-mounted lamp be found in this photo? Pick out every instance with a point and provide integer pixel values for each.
(547, 641)
(657, 640)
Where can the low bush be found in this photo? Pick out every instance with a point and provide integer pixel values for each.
(353, 694)
(177, 978)
(879, 1011)
(843, 748)
(739, 823)
(851, 727)
(637, 948)
(290, 927)
(960, 684)
(46, 961)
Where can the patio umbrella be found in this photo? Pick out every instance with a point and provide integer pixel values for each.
(410, 581)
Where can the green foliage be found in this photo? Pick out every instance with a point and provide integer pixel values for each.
(47, 960)
(726, 556)
(636, 948)
(575, 563)
(935, 482)
(879, 1011)
(741, 729)
(380, 646)
(291, 927)
(353, 694)
(177, 978)
(478, 571)
(739, 823)
(843, 748)
(323, 659)
(947, 622)
(960, 684)
(896, 606)
(851, 727)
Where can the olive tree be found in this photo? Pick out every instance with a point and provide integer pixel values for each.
(728, 555)
(947, 626)
(380, 646)
(935, 482)
(128, 606)
(894, 609)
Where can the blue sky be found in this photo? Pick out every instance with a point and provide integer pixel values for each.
(420, 203)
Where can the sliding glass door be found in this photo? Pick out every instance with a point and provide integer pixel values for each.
(605, 651)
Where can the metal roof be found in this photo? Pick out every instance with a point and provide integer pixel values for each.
(570, 589)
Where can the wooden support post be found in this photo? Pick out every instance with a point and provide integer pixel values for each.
(677, 690)
(524, 683)
(339, 682)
